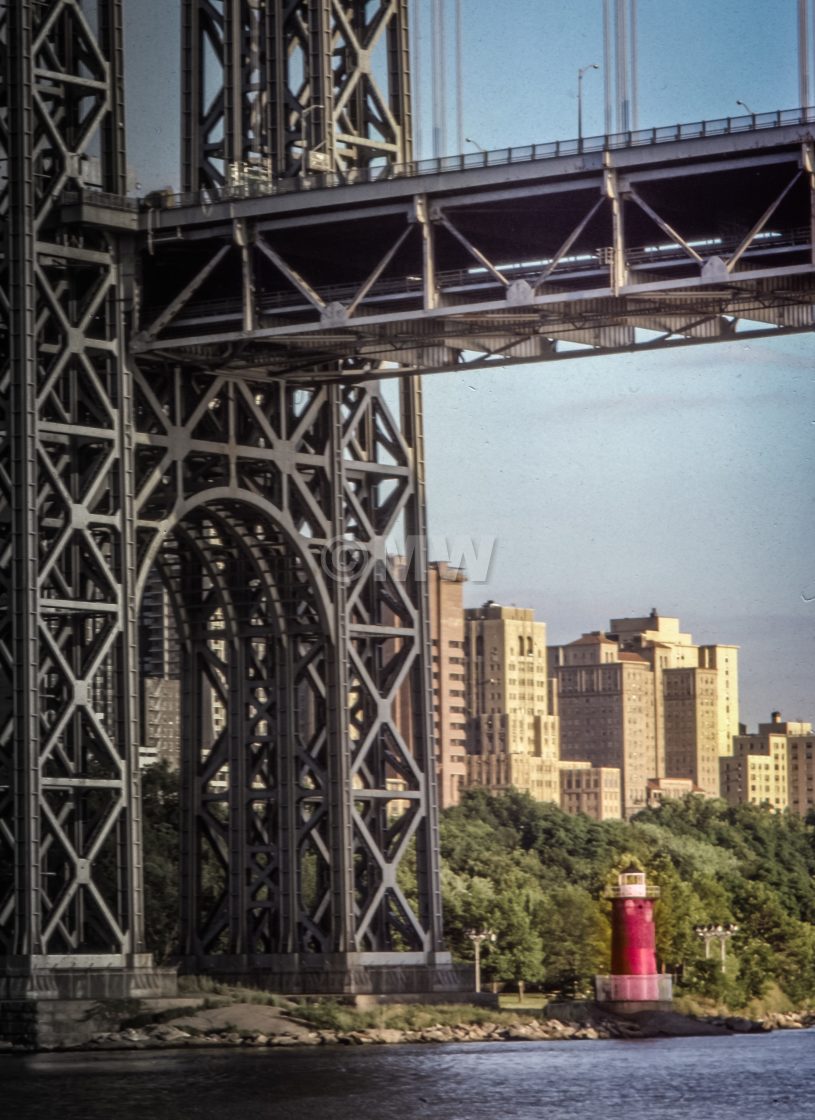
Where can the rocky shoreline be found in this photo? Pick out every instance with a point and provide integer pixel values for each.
(256, 1027)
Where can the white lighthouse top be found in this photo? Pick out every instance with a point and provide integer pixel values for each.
(631, 884)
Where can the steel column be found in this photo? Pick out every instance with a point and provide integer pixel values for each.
(274, 89)
(67, 667)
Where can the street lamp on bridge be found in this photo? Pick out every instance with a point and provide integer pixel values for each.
(580, 73)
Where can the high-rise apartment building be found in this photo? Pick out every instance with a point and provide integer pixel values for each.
(663, 645)
(756, 772)
(445, 593)
(775, 766)
(690, 691)
(606, 711)
(445, 586)
(512, 739)
(801, 768)
(725, 660)
(659, 639)
(690, 726)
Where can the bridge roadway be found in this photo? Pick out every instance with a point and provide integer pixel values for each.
(697, 233)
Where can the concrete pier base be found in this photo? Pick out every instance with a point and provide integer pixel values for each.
(50, 1007)
(426, 976)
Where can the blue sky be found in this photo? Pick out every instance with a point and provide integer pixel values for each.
(680, 480)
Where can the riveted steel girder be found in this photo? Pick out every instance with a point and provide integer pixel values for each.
(695, 234)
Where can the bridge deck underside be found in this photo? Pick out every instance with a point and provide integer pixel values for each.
(676, 244)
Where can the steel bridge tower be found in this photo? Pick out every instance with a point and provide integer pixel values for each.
(309, 836)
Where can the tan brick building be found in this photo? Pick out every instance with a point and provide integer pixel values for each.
(660, 640)
(445, 586)
(669, 789)
(644, 697)
(775, 766)
(512, 738)
(690, 726)
(445, 591)
(593, 790)
(606, 711)
(801, 769)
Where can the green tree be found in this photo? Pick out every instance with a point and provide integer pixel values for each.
(713, 863)
(160, 856)
(576, 939)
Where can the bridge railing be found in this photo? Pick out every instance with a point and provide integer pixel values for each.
(465, 161)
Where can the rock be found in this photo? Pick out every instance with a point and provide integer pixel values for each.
(386, 1035)
(132, 1034)
(520, 1034)
(167, 1033)
(436, 1034)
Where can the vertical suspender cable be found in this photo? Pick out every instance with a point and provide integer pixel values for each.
(437, 55)
(632, 29)
(803, 53)
(623, 122)
(416, 90)
(607, 63)
(459, 81)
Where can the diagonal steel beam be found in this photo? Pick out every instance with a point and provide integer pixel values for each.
(172, 309)
(664, 226)
(567, 244)
(442, 218)
(762, 221)
(291, 275)
(377, 272)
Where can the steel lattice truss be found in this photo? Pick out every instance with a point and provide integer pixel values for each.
(270, 531)
(69, 846)
(442, 266)
(309, 842)
(283, 88)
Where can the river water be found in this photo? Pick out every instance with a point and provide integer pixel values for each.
(743, 1077)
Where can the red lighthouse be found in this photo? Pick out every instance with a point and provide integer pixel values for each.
(634, 977)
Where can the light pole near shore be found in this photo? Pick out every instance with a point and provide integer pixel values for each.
(477, 937)
(722, 934)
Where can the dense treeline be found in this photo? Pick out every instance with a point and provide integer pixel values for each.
(535, 876)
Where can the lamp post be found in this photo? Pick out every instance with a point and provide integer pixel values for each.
(746, 107)
(580, 73)
(475, 144)
(720, 933)
(477, 937)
